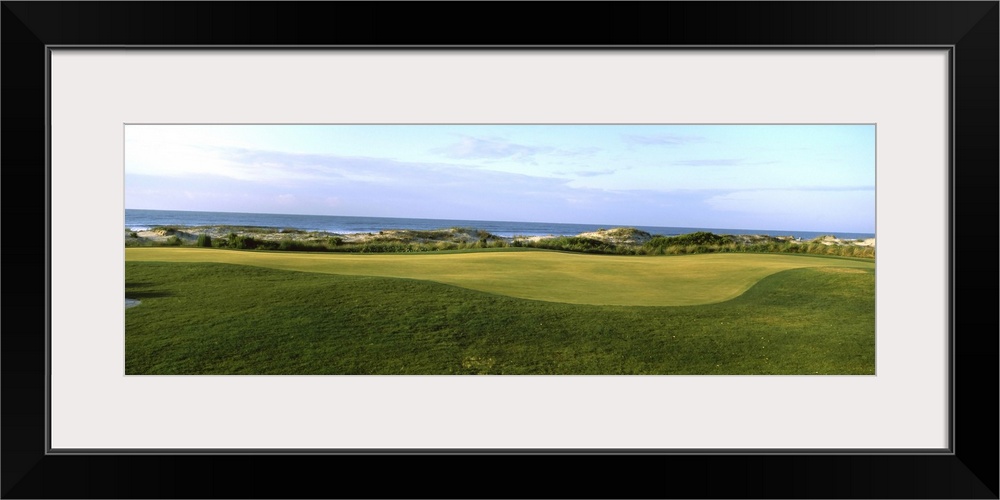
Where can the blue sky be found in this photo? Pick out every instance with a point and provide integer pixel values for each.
(785, 177)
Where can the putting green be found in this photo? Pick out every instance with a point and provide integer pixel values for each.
(539, 275)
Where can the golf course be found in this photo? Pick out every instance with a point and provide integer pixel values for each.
(510, 310)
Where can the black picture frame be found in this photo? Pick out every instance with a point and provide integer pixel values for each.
(970, 470)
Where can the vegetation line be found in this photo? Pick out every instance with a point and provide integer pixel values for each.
(617, 241)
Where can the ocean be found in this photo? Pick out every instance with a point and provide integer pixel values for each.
(138, 220)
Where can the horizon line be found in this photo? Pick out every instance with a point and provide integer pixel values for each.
(607, 225)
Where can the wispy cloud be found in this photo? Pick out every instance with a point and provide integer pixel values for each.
(720, 162)
(662, 140)
(711, 162)
(833, 188)
(594, 173)
(584, 151)
(267, 166)
(469, 147)
(276, 167)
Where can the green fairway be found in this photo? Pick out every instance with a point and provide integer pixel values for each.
(208, 318)
(571, 278)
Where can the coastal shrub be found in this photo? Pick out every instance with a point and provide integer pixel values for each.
(658, 242)
(697, 238)
(573, 244)
(133, 234)
(204, 240)
(625, 250)
(240, 242)
(266, 245)
(381, 247)
(301, 246)
(289, 245)
(173, 241)
(440, 245)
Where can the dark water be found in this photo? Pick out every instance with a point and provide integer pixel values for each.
(145, 219)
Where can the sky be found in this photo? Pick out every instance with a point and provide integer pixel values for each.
(783, 177)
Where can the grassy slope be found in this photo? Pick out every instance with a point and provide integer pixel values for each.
(541, 275)
(200, 318)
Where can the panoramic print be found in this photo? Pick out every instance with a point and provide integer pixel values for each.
(499, 249)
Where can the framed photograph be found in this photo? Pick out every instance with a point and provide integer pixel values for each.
(324, 237)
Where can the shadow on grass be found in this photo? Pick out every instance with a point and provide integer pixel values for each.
(146, 295)
(132, 293)
(138, 284)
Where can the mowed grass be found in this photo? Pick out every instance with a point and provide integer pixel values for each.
(572, 278)
(223, 318)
